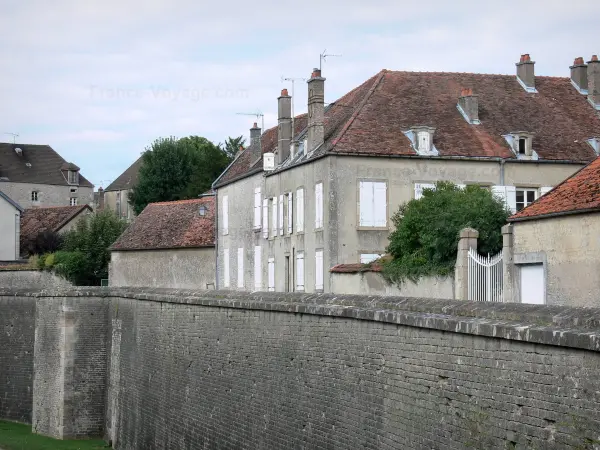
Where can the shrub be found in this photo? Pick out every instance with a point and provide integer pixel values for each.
(45, 242)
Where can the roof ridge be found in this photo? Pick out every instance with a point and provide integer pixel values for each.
(187, 200)
(79, 209)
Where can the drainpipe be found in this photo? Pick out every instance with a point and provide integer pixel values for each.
(502, 172)
(216, 213)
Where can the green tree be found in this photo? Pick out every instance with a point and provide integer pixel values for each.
(427, 230)
(232, 146)
(177, 169)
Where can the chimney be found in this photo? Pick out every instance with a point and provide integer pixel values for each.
(525, 73)
(284, 130)
(255, 141)
(316, 110)
(100, 198)
(579, 75)
(593, 76)
(469, 105)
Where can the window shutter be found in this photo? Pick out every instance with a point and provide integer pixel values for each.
(365, 204)
(461, 186)
(274, 216)
(545, 190)
(265, 222)
(271, 270)
(300, 272)
(225, 214)
(257, 268)
(508, 194)
(419, 189)
(319, 205)
(240, 267)
(300, 210)
(281, 215)
(257, 204)
(366, 258)
(290, 216)
(226, 267)
(319, 270)
(379, 204)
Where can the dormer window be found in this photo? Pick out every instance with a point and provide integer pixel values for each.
(73, 177)
(595, 143)
(521, 144)
(421, 139)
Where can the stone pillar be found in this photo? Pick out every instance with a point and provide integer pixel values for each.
(468, 239)
(508, 267)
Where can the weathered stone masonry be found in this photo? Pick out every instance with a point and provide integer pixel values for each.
(225, 370)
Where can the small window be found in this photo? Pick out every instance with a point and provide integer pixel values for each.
(522, 143)
(73, 177)
(271, 274)
(34, 196)
(525, 197)
(367, 258)
(73, 201)
(424, 142)
(372, 204)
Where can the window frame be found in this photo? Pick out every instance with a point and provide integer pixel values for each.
(373, 181)
(525, 190)
(73, 201)
(35, 196)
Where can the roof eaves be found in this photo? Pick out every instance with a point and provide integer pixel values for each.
(555, 214)
(68, 219)
(11, 201)
(132, 249)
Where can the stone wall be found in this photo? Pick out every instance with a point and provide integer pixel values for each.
(31, 279)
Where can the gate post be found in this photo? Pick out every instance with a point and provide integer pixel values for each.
(468, 239)
(507, 264)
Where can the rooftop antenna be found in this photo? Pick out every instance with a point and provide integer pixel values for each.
(293, 115)
(14, 135)
(258, 115)
(323, 57)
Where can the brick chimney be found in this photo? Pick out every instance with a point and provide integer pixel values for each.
(579, 75)
(593, 76)
(284, 130)
(316, 110)
(255, 141)
(525, 73)
(469, 105)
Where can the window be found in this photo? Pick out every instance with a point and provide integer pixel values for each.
(271, 274)
(74, 190)
(300, 271)
(257, 268)
(525, 197)
(225, 214)
(419, 189)
(73, 177)
(226, 267)
(281, 215)
(290, 211)
(257, 205)
(319, 270)
(423, 142)
(240, 267)
(522, 146)
(373, 204)
(507, 194)
(300, 210)
(34, 196)
(319, 205)
(73, 201)
(545, 189)
(265, 223)
(274, 216)
(366, 258)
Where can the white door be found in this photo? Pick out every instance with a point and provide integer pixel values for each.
(532, 284)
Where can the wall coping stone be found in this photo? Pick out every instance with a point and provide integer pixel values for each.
(564, 326)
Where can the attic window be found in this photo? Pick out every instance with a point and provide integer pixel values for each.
(421, 138)
(73, 177)
(18, 151)
(522, 144)
(423, 142)
(202, 210)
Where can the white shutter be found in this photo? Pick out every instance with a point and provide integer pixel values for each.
(419, 189)
(300, 271)
(461, 186)
(366, 258)
(545, 190)
(274, 216)
(271, 270)
(257, 268)
(281, 215)
(365, 204)
(380, 204)
(265, 222)
(225, 214)
(290, 216)
(300, 210)
(226, 267)
(240, 267)
(257, 204)
(508, 194)
(319, 270)
(319, 205)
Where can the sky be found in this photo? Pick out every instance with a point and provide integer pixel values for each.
(99, 81)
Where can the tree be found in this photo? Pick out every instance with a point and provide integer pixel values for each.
(46, 241)
(177, 169)
(232, 146)
(427, 230)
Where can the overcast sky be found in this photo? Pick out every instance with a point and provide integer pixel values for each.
(100, 80)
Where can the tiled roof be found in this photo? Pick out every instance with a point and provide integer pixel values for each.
(355, 268)
(167, 225)
(127, 179)
(37, 220)
(577, 194)
(45, 165)
(11, 201)
(370, 119)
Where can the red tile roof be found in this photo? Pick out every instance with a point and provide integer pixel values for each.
(167, 225)
(355, 268)
(37, 220)
(370, 119)
(578, 194)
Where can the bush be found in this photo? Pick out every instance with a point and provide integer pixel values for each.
(74, 266)
(427, 230)
(45, 242)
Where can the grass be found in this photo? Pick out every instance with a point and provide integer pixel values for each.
(16, 436)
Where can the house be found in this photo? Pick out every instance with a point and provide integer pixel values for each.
(556, 244)
(37, 176)
(116, 195)
(10, 225)
(170, 244)
(320, 190)
(57, 219)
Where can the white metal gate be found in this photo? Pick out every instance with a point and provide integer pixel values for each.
(485, 277)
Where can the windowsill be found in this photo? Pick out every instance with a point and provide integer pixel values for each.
(257, 230)
(319, 229)
(299, 232)
(359, 228)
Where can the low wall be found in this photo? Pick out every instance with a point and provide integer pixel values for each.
(230, 370)
(31, 279)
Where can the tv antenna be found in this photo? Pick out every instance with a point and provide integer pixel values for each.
(14, 135)
(323, 57)
(261, 116)
(293, 115)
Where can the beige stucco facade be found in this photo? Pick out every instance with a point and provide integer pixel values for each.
(9, 232)
(569, 249)
(47, 194)
(372, 283)
(184, 268)
(118, 202)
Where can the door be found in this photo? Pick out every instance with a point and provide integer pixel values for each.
(532, 284)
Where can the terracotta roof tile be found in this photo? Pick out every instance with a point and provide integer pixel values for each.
(37, 220)
(579, 193)
(355, 268)
(167, 225)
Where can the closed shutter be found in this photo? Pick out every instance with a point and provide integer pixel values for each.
(271, 270)
(545, 190)
(240, 267)
(461, 186)
(319, 270)
(300, 210)
(225, 214)
(508, 194)
(290, 216)
(226, 267)
(365, 204)
(419, 189)
(379, 204)
(274, 216)
(281, 215)
(300, 271)
(265, 222)
(257, 268)
(319, 205)
(257, 205)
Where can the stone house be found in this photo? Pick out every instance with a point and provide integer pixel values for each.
(554, 244)
(116, 195)
(10, 225)
(169, 245)
(335, 176)
(37, 176)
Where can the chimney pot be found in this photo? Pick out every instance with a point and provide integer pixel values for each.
(284, 92)
(316, 73)
(578, 60)
(594, 58)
